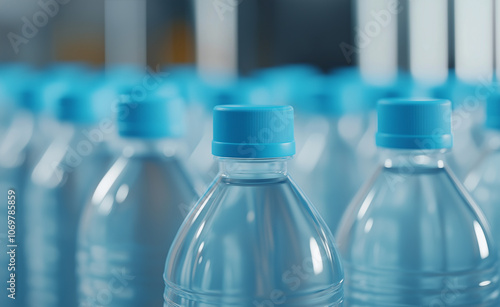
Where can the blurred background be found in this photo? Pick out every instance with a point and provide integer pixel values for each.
(64, 64)
(262, 33)
(238, 35)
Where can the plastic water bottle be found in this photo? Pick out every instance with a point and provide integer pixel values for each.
(468, 110)
(253, 239)
(16, 125)
(27, 135)
(57, 189)
(413, 236)
(291, 85)
(332, 162)
(484, 179)
(286, 83)
(184, 76)
(209, 93)
(136, 210)
(10, 75)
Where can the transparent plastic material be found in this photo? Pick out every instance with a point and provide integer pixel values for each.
(57, 189)
(467, 141)
(333, 163)
(413, 237)
(129, 224)
(201, 160)
(253, 239)
(483, 182)
(20, 145)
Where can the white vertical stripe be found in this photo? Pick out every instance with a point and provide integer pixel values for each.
(429, 41)
(125, 32)
(474, 39)
(376, 39)
(216, 36)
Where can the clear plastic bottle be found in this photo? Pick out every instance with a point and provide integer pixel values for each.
(56, 191)
(10, 76)
(335, 156)
(293, 85)
(16, 125)
(286, 83)
(136, 210)
(209, 92)
(253, 239)
(468, 109)
(413, 236)
(27, 135)
(483, 181)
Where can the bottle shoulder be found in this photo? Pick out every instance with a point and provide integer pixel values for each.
(144, 180)
(237, 232)
(69, 153)
(483, 182)
(151, 196)
(416, 219)
(485, 173)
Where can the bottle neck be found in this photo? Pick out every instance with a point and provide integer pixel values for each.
(165, 147)
(253, 168)
(410, 159)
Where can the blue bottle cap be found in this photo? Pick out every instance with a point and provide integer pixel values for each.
(87, 101)
(460, 93)
(253, 132)
(29, 94)
(14, 77)
(184, 76)
(76, 106)
(414, 124)
(156, 117)
(254, 91)
(493, 112)
(63, 69)
(286, 84)
(351, 93)
(218, 90)
(57, 81)
(347, 94)
(125, 74)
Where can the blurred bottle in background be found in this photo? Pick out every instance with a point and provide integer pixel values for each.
(484, 179)
(335, 118)
(57, 189)
(9, 75)
(467, 121)
(413, 233)
(137, 208)
(290, 85)
(208, 93)
(16, 126)
(29, 97)
(253, 238)
(336, 155)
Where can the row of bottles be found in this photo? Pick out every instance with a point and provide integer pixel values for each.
(120, 201)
